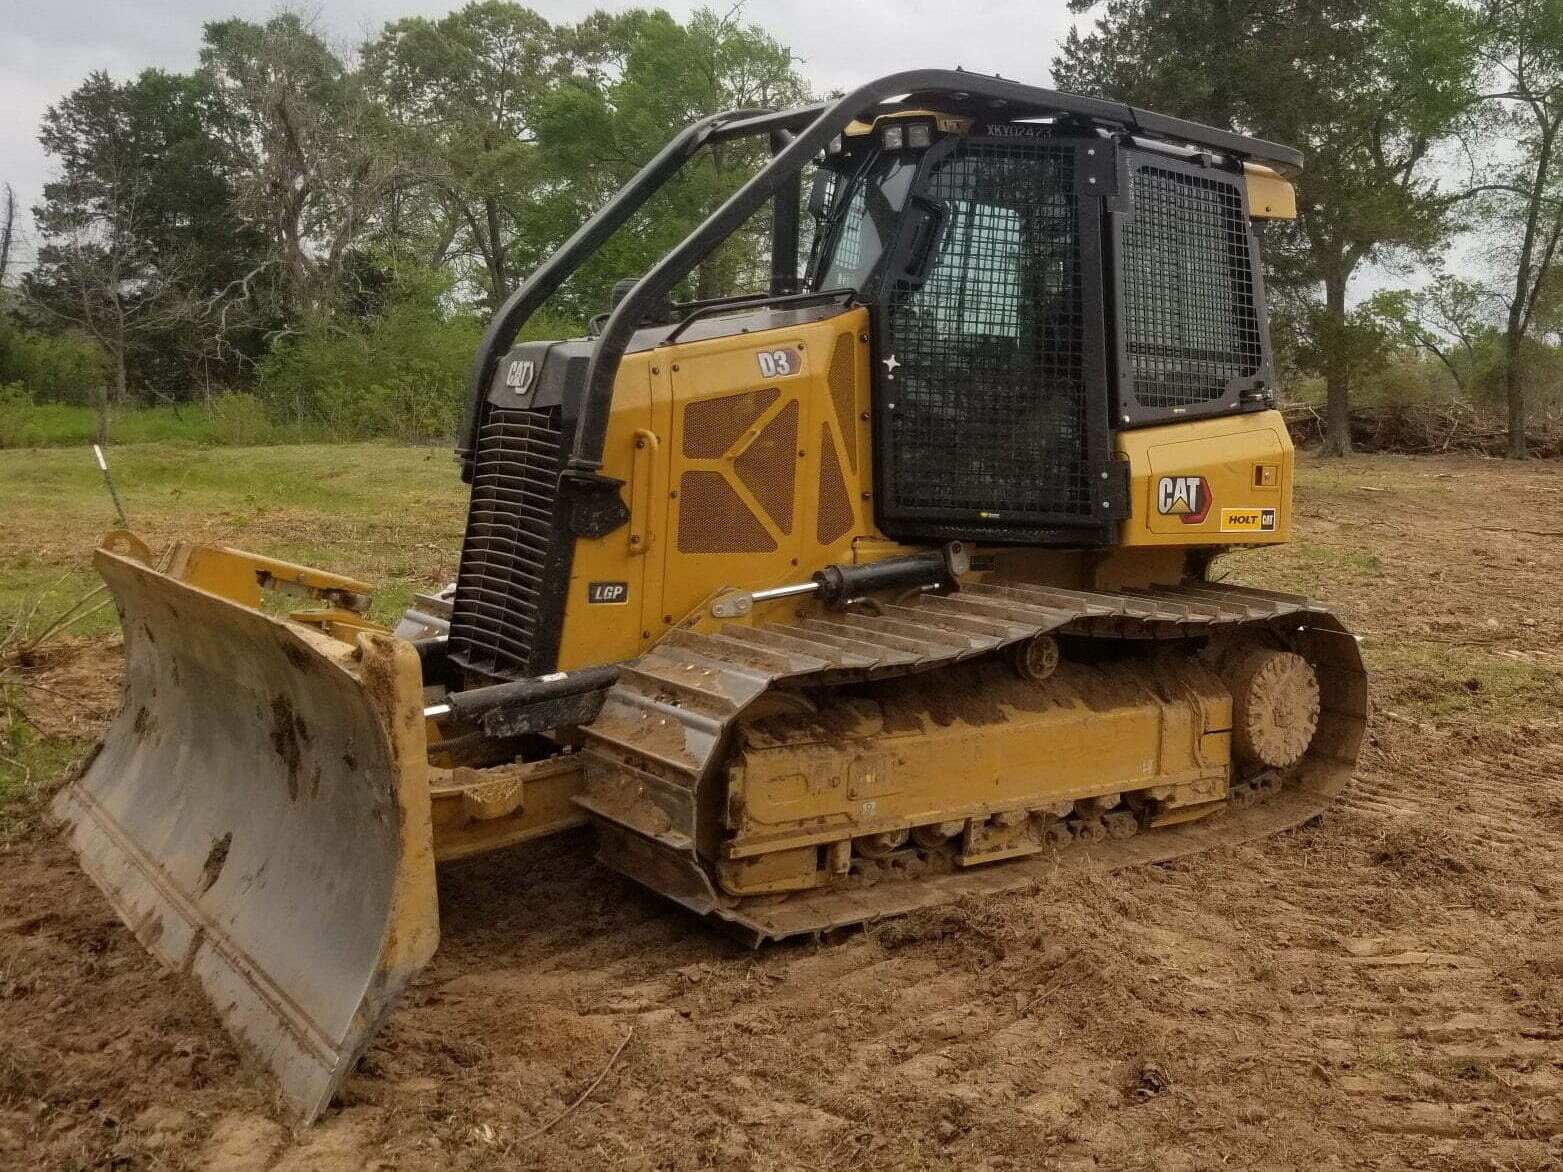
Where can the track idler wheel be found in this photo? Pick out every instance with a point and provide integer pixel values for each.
(1275, 706)
(1035, 659)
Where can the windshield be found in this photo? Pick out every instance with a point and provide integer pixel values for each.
(860, 223)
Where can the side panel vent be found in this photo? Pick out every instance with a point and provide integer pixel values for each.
(767, 466)
(843, 392)
(712, 517)
(712, 426)
(835, 506)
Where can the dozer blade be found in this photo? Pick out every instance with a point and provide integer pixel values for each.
(259, 816)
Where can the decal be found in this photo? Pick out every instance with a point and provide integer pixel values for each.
(780, 363)
(1248, 520)
(520, 375)
(1188, 498)
(610, 593)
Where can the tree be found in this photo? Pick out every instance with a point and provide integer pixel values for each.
(311, 155)
(137, 245)
(639, 78)
(465, 90)
(1366, 88)
(7, 233)
(1523, 57)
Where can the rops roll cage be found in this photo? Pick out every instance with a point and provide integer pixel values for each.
(797, 137)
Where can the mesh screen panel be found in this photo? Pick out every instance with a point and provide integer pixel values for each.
(835, 506)
(842, 378)
(767, 467)
(1190, 319)
(711, 426)
(505, 606)
(990, 388)
(712, 518)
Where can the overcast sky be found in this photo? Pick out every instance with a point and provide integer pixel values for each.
(50, 45)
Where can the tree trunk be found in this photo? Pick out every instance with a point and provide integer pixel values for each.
(1514, 395)
(7, 228)
(106, 397)
(498, 278)
(1337, 389)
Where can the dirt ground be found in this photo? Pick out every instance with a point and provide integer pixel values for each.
(1382, 988)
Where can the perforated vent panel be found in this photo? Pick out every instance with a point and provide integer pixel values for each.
(509, 587)
(712, 426)
(712, 517)
(767, 466)
(842, 378)
(986, 395)
(835, 506)
(1190, 318)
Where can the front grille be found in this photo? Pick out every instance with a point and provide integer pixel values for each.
(510, 586)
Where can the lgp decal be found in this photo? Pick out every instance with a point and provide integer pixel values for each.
(1184, 497)
(1248, 520)
(608, 593)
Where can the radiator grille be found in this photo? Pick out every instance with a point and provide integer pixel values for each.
(510, 585)
(1190, 314)
(988, 383)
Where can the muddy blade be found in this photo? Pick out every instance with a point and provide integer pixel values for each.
(259, 817)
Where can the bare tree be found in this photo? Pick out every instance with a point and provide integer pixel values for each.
(7, 233)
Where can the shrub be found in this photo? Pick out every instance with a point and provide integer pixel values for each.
(53, 368)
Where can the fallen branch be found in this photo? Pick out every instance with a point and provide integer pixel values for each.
(581, 1098)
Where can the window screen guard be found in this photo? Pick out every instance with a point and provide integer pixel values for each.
(1189, 297)
(991, 397)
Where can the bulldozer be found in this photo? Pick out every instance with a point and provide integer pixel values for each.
(888, 585)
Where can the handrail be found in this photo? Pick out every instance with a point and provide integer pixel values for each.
(758, 301)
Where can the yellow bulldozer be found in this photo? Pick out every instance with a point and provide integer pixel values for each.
(885, 586)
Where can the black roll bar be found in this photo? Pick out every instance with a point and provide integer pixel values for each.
(545, 280)
(796, 136)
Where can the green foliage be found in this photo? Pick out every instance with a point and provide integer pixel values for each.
(401, 374)
(60, 366)
(227, 420)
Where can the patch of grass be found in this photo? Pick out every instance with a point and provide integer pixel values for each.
(28, 763)
(1429, 680)
(226, 419)
(1330, 555)
(389, 514)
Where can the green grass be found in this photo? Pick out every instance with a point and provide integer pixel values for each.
(386, 513)
(28, 762)
(225, 420)
(1429, 680)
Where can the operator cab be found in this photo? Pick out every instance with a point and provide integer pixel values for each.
(1034, 286)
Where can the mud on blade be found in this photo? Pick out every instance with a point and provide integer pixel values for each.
(259, 817)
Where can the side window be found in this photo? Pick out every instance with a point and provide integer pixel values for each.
(1190, 321)
(974, 285)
